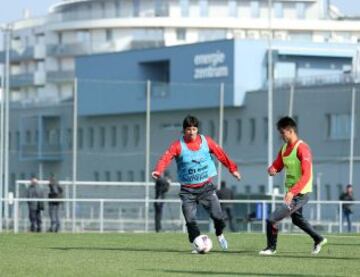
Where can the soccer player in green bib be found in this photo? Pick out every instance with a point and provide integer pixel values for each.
(295, 155)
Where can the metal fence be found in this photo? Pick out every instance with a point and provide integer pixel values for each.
(132, 211)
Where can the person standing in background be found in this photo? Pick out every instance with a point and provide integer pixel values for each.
(227, 194)
(162, 185)
(55, 192)
(34, 191)
(346, 208)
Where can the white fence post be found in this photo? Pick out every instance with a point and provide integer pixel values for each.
(263, 216)
(16, 216)
(340, 217)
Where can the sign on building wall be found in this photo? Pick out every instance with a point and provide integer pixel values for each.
(210, 65)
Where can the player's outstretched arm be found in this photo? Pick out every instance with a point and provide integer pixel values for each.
(237, 175)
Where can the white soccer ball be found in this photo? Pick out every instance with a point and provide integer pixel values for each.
(202, 244)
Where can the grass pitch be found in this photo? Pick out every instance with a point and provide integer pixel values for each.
(167, 254)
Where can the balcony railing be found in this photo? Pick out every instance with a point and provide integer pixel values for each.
(29, 53)
(83, 48)
(343, 78)
(60, 76)
(27, 79)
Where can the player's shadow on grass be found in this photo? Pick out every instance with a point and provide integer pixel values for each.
(132, 249)
(312, 257)
(346, 244)
(120, 249)
(230, 273)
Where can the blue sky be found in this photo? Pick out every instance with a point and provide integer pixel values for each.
(13, 9)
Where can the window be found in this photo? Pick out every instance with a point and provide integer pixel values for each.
(184, 6)
(91, 137)
(266, 129)
(181, 34)
(252, 129)
(278, 10)
(204, 8)
(125, 135)
(28, 137)
(113, 136)
(328, 191)
(339, 188)
(22, 176)
(247, 189)
(36, 139)
(130, 176)
(142, 175)
(262, 189)
(137, 134)
(338, 126)
(109, 35)
(238, 130)
(136, 8)
(96, 176)
(83, 36)
(211, 128)
(12, 182)
(17, 140)
(102, 137)
(60, 38)
(10, 144)
(212, 34)
(68, 137)
(225, 131)
(300, 10)
(80, 138)
(118, 7)
(255, 9)
(107, 176)
(161, 8)
(233, 9)
(119, 176)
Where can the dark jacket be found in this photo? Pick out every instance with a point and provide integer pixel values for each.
(35, 191)
(55, 192)
(161, 187)
(346, 197)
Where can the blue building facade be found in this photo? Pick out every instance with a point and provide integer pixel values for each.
(239, 64)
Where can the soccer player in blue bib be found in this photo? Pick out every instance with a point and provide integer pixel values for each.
(195, 166)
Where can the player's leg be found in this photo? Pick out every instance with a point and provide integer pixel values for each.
(209, 200)
(272, 230)
(299, 220)
(189, 208)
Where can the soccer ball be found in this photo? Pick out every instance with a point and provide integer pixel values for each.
(202, 244)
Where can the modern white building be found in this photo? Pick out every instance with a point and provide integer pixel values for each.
(42, 50)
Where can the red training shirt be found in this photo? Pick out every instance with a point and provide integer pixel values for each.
(305, 157)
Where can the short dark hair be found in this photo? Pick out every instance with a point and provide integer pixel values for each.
(190, 121)
(286, 122)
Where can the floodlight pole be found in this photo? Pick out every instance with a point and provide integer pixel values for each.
(6, 121)
(270, 97)
(318, 196)
(147, 154)
(2, 132)
(221, 130)
(74, 153)
(352, 135)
